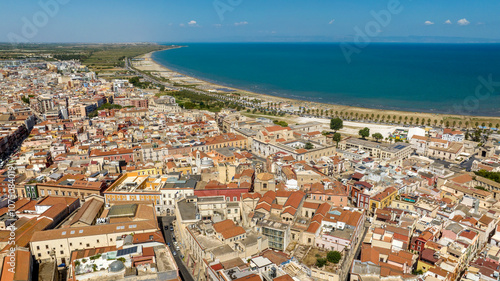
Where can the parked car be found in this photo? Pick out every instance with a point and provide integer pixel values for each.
(171, 228)
(174, 253)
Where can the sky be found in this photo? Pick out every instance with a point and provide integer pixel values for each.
(249, 21)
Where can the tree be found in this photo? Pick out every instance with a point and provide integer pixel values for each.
(334, 256)
(336, 124)
(280, 123)
(336, 138)
(364, 133)
(309, 146)
(320, 262)
(377, 136)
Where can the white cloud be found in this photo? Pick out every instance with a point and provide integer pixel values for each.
(447, 22)
(218, 25)
(463, 22)
(240, 23)
(428, 22)
(182, 25)
(332, 21)
(192, 23)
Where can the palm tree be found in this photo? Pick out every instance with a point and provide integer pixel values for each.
(466, 124)
(411, 120)
(460, 123)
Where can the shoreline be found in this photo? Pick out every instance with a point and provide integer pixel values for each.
(155, 66)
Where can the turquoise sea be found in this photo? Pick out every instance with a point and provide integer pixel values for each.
(440, 78)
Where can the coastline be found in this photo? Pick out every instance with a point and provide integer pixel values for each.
(155, 66)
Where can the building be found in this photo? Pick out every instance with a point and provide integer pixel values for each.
(394, 152)
(119, 221)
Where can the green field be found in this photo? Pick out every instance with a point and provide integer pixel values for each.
(98, 57)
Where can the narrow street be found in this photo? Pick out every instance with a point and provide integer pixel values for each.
(167, 234)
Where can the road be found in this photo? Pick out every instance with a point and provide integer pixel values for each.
(167, 234)
(467, 165)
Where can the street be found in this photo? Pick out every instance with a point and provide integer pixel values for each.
(167, 234)
(467, 165)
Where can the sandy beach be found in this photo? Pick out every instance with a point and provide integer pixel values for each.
(152, 66)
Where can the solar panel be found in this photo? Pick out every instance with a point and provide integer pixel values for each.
(127, 251)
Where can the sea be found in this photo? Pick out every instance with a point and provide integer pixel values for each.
(459, 79)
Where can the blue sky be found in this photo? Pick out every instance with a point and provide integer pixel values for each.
(247, 20)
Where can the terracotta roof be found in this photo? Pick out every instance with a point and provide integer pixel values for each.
(251, 277)
(462, 179)
(285, 277)
(265, 176)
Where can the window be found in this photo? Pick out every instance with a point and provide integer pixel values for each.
(62, 252)
(71, 244)
(46, 246)
(235, 198)
(228, 211)
(264, 185)
(38, 247)
(39, 255)
(97, 240)
(88, 245)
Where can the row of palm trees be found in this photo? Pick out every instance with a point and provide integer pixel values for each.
(356, 116)
(393, 118)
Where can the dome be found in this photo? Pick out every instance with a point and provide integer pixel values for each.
(116, 266)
